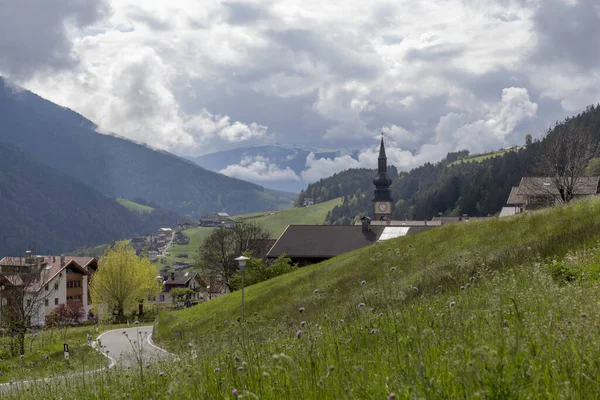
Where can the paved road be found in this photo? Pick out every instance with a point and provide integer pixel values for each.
(126, 346)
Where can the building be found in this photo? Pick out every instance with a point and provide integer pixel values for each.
(310, 244)
(48, 281)
(172, 280)
(539, 192)
(219, 220)
(382, 197)
(308, 201)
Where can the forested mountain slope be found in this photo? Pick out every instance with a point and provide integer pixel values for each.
(51, 212)
(118, 167)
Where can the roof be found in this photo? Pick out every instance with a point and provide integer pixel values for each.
(50, 267)
(222, 214)
(514, 197)
(180, 278)
(323, 241)
(405, 223)
(535, 186)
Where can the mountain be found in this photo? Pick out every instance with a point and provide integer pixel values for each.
(51, 212)
(289, 159)
(119, 167)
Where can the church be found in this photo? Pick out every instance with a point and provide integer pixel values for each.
(309, 244)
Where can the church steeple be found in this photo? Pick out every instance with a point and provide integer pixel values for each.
(382, 198)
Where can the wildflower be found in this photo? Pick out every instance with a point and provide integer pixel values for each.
(298, 334)
(361, 305)
(273, 320)
(341, 321)
(236, 358)
(302, 323)
(392, 269)
(373, 331)
(462, 288)
(416, 289)
(452, 304)
(46, 356)
(363, 283)
(583, 315)
(240, 368)
(35, 334)
(162, 373)
(22, 356)
(216, 369)
(316, 291)
(392, 396)
(234, 392)
(225, 322)
(189, 344)
(301, 309)
(380, 315)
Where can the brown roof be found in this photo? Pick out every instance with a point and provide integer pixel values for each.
(50, 267)
(177, 279)
(532, 186)
(514, 197)
(323, 241)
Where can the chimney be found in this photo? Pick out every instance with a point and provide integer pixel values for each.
(39, 262)
(28, 257)
(172, 276)
(62, 260)
(366, 224)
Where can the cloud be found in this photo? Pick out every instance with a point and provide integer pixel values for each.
(259, 169)
(35, 34)
(199, 77)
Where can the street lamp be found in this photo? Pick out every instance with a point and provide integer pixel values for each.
(242, 262)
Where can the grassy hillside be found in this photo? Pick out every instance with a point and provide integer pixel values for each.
(482, 157)
(197, 236)
(133, 206)
(495, 309)
(276, 221)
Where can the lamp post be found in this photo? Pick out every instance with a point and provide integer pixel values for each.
(242, 262)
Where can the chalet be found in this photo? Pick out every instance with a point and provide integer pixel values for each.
(222, 220)
(538, 192)
(172, 280)
(308, 201)
(48, 281)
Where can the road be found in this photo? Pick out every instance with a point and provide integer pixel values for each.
(129, 345)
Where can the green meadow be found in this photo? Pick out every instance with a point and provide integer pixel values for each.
(504, 308)
(133, 206)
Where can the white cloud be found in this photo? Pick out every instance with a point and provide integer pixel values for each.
(196, 77)
(259, 169)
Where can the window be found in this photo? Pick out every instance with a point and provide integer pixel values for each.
(46, 302)
(46, 287)
(162, 297)
(56, 301)
(73, 284)
(28, 303)
(56, 286)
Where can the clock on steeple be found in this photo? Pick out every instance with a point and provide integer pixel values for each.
(382, 199)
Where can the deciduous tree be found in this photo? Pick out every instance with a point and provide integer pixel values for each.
(123, 280)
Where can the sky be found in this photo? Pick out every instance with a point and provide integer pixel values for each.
(198, 76)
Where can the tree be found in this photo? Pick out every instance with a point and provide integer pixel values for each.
(564, 155)
(22, 296)
(218, 252)
(528, 139)
(65, 315)
(123, 280)
(257, 271)
(180, 294)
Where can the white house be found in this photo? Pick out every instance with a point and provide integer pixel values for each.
(50, 281)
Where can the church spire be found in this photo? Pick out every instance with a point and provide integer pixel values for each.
(382, 149)
(382, 181)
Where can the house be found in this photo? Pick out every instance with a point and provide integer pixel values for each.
(214, 285)
(309, 244)
(538, 192)
(172, 280)
(50, 281)
(308, 201)
(221, 219)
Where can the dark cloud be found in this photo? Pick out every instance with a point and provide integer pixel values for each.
(245, 14)
(568, 33)
(33, 33)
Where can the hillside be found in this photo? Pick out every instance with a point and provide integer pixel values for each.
(121, 168)
(51, 212)
(504, 308)
(276, 221)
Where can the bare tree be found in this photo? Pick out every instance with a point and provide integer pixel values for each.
(24, 292)
(563, 156)
(217, 254)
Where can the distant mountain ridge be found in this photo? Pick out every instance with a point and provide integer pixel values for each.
(282, 156)
(121, 168)
(50, 212)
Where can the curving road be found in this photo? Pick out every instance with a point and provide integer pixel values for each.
(127, 346)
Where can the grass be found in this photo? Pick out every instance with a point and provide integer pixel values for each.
(504, 308)
(133, 206)
(481, 157)
(96, 251)
(197, 236)
(276, 221)
(44, 353)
